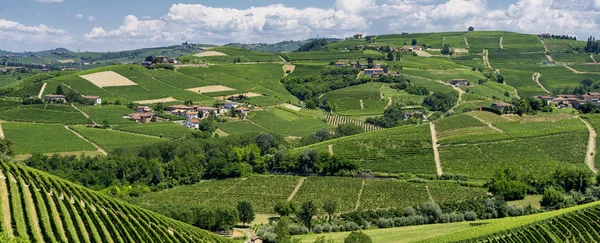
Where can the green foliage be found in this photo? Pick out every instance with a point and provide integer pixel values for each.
(348, 129)
(314, 45)
(6, 147)
(440, 101)
(246, 212)
(330, 207)
(358, 237)
(285, 208)
(306, 213)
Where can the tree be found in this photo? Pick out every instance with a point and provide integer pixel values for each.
(322, 135)
(322, 239)
(390, 56)
(348, 129)
(246, 212)
(285, 208)
(188, 103)
(282, 230)
(59, 90)
(307, 160)
(431, 210)
(446, 50)
(330, 207)
(6, 147)
(414, 42)
(552, 199)
(358, 237)
(159, 106)
(307, 211)
(149, 59)
(105, 124)
(471, 28)
(265, 142)
(226, 218)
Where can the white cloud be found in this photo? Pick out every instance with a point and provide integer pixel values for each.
(50, 1)
(278, 22)
(17, 35)
(91, 18)
(78, 16)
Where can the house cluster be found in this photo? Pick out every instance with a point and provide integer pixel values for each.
(55, 98)
(375, 71)
(143, 114)
(411, 48)
(459, 82)
(571, 101)
(159, 60)
(501, 105)
(193, 114)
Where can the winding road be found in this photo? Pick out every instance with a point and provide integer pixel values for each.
(591, 149)
(436, 153)
(536, 78)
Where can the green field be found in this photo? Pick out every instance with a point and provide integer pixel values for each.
(60, 114)
(110, 140)
(402, 149)
(42, 138)
(241, 127)
(347, 101)
(161, 129)
(45, 208)
(288, 123)
(113, 114)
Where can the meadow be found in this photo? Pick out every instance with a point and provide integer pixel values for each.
(347, 101)
(241, 127)
(113, 114)
(43, 138)
(160, 129)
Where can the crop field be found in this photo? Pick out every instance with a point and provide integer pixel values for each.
(347, 101)
(322, 189)
(571, 224)
(43, 138)
(110, 140)
(108, 79)
(80, 85)
(392, 193)
(231, 54)
(478, 43)
(402, 149)
(514, 58)
(469, 60)
(523, 82)
(113, 114)
(262, 191)
(542, 154)
(456, 41)
(400, 96)
(306, 70)
(241, 127)
(559, 76)
(446, 75)
(44, 208)
(571, 57)
(178, 79)
(433, 39)
(441, 63)
(559, 45)
(329, 55)
(44, 114)
(161, 129)
(593, 68)
(525, 43)
(430, 84)
(287, 122)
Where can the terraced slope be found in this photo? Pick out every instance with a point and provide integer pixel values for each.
(576, 224)
(42, 208)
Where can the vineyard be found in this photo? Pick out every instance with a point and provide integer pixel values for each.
(339, 120)
(576, 224)
(42, 208)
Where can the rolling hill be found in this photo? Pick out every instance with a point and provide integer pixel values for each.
(42, 208)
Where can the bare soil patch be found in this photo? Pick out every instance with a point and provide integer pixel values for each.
(210, 54)
(422, 53)
(1, 131)
(300, 182)
(108, 79)
(66, 61)
(291, 107)
(210, 89)
(288, 67)
(163, 100)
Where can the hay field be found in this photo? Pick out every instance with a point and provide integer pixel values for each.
(210, 54)
(108, 79)
(210, 89)
(163, 100)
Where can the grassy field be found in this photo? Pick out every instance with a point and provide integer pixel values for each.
(241, 127)
(43, 138)
(593, 68)
(111, 140)
(45, 208)
(402, 149)
(330, 55)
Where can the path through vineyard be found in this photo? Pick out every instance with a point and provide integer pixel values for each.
(359, 195)
(100, 149)
(436, 153)
(487, 123)
(300, 182)
(591, 149)
(536, 78)
(5, 203)
(42, 91)
(1, 131)
(331, 149)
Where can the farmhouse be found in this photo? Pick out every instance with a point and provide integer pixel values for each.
(547, 99)
(358, 36)
(191, 115)
(143, 109)
(3, 70)
(242, 111)
(411, 48)
(173, 60)
(54, 98)
(192, 123)
(140, 117)
(340, 64)
(146, 64)
(230, 104)
(45, 70)
(161, 59)
(180, 107)
(96, 100)
(459, 82)
(501, 105)
(374, 71)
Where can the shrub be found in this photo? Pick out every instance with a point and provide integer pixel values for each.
(410, 211)
(296, 229)
(317, 229)
(351, 226)
(385, 223)
(457, 217)
(515, 211)
(470, 215)
(326, 227)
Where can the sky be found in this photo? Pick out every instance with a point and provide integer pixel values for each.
(114, 25)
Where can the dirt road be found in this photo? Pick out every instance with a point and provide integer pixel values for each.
(591, 149)
(436, 153)
(536, 78)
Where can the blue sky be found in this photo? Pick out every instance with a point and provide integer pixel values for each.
(111, 25)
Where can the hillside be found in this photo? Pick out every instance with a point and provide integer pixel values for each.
(43, 208)
(576, 224)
